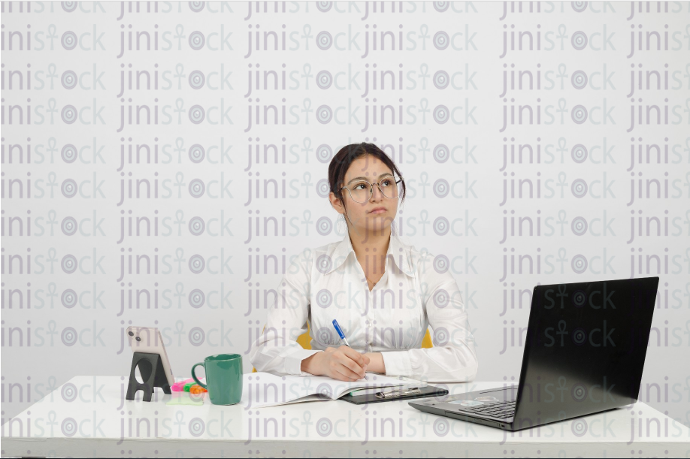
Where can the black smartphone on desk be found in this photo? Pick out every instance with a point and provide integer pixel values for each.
(389, 395)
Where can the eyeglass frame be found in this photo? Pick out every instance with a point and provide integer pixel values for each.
(371, 189)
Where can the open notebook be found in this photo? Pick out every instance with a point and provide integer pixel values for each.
(262, 389)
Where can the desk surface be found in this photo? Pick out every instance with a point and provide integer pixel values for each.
(89, 416)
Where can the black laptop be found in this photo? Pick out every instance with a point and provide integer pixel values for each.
(584, 353)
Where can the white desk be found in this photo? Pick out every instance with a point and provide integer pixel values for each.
(89, 416)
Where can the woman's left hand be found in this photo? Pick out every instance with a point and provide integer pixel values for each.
(376, 363)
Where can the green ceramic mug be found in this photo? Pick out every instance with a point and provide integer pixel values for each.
(223, 378)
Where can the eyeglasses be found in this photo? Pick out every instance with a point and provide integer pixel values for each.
(362, 191)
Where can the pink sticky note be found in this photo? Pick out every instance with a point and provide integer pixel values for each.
(179, 386)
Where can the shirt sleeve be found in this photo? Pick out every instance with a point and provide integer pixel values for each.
(276, 350)
(453, 357)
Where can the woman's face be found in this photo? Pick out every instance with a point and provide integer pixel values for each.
(360, 215)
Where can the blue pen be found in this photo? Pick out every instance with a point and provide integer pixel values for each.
(340, 332)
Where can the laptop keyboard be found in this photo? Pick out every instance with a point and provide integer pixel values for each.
(500, 410)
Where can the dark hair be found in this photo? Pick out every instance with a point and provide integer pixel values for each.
(342, 160)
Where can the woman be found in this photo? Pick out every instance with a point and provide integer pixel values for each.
(382, 292)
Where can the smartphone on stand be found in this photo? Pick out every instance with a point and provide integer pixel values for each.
(150, 340)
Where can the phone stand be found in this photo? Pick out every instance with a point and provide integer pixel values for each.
(152, 373)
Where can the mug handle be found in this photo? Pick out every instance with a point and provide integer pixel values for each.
(194, 376)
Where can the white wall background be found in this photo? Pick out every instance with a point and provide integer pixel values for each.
(62, 177)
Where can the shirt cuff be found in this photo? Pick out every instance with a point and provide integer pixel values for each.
(397, 363)
(293, 362)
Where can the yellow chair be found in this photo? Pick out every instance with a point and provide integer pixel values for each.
(304, 341)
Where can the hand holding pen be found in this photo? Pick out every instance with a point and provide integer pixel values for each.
(342, 363)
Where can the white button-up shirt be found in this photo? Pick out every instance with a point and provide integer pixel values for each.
(416, 291)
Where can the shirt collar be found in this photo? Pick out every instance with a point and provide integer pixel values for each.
(396, 250)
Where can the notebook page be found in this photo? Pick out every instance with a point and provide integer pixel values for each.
(261, 389)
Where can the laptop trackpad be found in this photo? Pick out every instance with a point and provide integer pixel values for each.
(487, 397)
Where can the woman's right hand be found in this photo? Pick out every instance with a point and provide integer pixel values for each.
(342, 363)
